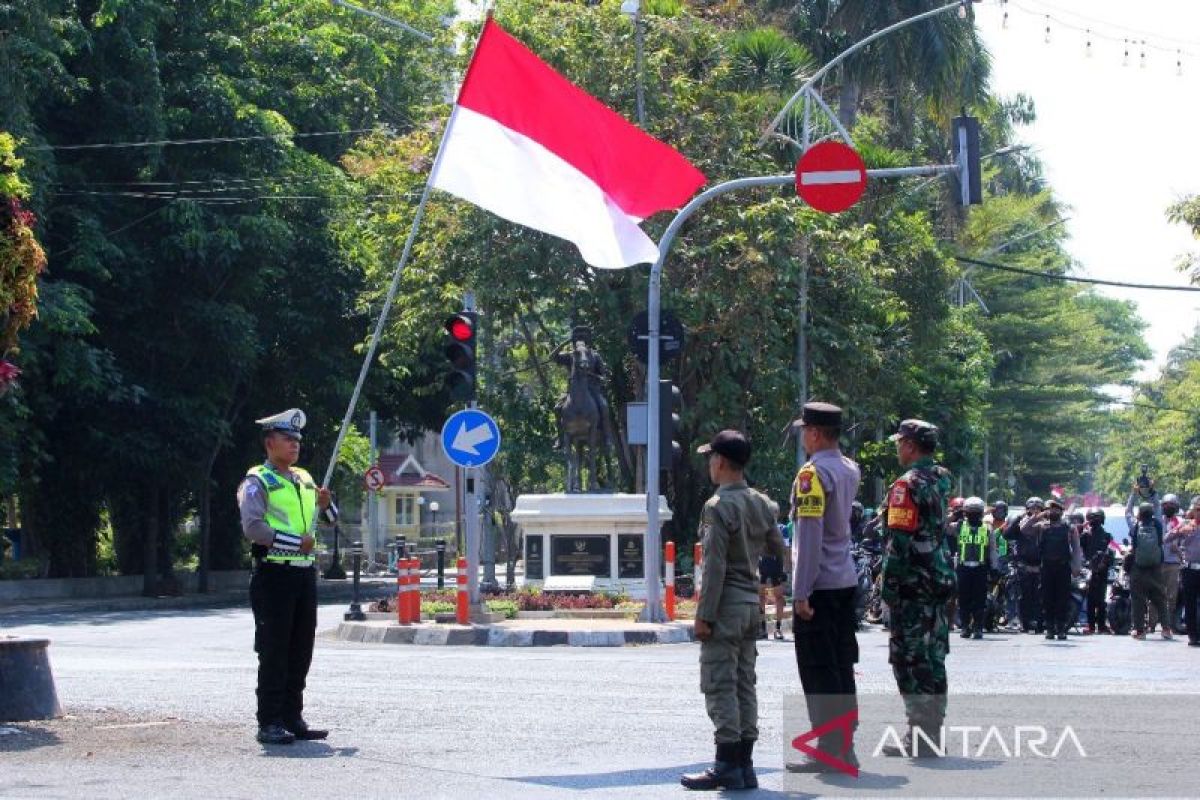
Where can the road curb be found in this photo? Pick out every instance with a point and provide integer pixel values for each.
(499, 636)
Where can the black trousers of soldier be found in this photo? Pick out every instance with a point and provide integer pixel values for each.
(1056, 596)
(1031, 600)
(972, 597)
(1097, 600)
(826, 652)
(1191, 603)
(284, 601)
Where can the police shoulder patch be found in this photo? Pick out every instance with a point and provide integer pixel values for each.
(809, 499)
(901, 508)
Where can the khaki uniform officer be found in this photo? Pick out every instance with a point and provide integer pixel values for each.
(737, 526)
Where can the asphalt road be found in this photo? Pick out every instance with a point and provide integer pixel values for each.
(161, 705)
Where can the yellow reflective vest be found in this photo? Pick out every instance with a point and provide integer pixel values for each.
(291, 509)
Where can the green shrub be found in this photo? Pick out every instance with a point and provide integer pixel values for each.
(508, 608)
(431, 607)
(22, 568)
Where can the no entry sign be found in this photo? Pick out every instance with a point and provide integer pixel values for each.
(830, 177)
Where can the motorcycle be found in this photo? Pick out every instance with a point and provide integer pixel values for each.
(1077, 605)
(1003, 596)
(867, 565)
(1120, 601)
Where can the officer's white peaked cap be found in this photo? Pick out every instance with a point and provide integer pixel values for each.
(290, 422)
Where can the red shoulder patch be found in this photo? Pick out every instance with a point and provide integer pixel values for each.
(902, 510)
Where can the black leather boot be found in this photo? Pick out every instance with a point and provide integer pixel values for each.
(747, 762)
(725, 772)
(274, 734)
(301, 730)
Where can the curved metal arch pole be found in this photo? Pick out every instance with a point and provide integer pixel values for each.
(651, 554)
(851, 50)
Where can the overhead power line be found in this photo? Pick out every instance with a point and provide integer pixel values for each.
(1159, 287)
(213, 140)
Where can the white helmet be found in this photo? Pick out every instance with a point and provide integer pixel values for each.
(973, 504)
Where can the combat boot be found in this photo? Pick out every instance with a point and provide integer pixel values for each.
(914, 745)
(274, 734)
(725, 772)
(747, 761)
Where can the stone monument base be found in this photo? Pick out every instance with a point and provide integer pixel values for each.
(582, 542)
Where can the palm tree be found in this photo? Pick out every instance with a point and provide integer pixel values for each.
(940, 60)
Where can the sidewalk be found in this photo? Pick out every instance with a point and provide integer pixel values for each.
(327, 592)
(518, 633)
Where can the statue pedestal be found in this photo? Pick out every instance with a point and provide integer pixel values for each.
(573, 541)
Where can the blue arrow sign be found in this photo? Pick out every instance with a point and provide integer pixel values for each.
(470, 438)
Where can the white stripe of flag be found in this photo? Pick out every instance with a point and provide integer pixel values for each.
(831, 177)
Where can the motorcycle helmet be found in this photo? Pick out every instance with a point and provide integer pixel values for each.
(956, 503)
(1171, 500)
(1096, 515)
(973, 504)
(1034, 502)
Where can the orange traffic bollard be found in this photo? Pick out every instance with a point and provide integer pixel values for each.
(669, 594)
(464, 601)
(414, 590)
(697, 559)
(401, 593)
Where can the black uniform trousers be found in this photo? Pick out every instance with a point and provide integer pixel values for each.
(284, 601)
(826, 652)
(972, 597)
(1097, 599)
(1191, 603)
(1031, 599)
(1056, 595)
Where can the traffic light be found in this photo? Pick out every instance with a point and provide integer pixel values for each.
(670, 403)
(461, 331)
(965, 142)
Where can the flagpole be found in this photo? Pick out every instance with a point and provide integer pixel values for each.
(397, 275)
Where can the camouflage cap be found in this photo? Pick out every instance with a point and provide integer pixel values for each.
(918, 430)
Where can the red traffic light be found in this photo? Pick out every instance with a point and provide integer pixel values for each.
(460, 328)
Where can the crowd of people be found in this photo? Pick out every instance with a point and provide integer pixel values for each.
(1043, 550)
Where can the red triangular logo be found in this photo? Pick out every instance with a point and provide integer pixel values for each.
(844, 723)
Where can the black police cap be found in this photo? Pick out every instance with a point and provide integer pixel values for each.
(821, 415)
(729, 443)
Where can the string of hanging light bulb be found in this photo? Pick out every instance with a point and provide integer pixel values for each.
(1131, 40)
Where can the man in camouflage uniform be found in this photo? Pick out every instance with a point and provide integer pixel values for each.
(737, 526)
(917, 583)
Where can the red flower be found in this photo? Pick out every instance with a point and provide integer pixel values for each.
(9, 373)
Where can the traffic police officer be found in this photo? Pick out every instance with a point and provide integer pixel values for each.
(824, 581)
(918, 581)
(278, 503)
(736, 527)
(976, 558)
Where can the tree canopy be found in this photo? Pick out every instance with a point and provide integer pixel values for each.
(223, 191)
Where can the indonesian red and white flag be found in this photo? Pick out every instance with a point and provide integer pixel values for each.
(528, 145)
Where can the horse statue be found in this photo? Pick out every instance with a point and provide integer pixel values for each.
(581, 426)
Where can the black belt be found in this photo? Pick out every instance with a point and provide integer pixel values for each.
(261, 563)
